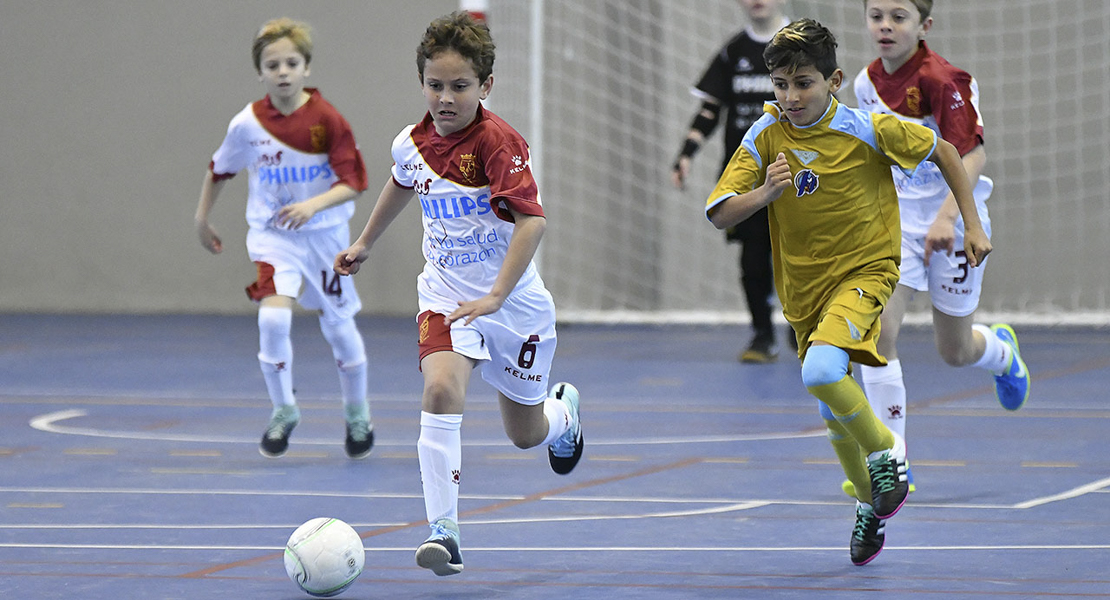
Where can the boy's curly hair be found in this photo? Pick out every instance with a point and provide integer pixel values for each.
(458, 31)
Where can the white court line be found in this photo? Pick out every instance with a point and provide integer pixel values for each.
(50, 423)
(1094, 486)
(408, 549)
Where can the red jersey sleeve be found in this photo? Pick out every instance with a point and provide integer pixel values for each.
(344, 155)
(509, 170)
(954, 107)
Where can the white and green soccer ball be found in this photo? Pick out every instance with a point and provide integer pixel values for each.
(324, 556)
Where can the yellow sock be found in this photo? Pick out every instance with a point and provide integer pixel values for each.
(853, 411)
(852, 460)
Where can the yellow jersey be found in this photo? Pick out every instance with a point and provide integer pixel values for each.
(839, 220)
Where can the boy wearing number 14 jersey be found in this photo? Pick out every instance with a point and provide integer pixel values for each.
(305, 171)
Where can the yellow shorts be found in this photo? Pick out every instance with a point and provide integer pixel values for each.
(850, 321)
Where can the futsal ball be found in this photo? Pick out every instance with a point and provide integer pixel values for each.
(324, 556)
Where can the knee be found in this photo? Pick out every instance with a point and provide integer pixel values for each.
(442, 397)
(824, 365)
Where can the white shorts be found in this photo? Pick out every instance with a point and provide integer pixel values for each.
(953, 286)
(514, 345)
(298, 264)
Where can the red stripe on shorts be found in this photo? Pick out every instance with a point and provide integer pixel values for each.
(263, 286)
(435, 334)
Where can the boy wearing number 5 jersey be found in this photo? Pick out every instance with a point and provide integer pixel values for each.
(482, 302)
(305, 171)
(917, 85)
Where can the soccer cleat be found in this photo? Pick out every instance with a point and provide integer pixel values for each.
(761, 351)
(564, 453)
(889, 484)
(850, 489)
(1012, 386)
(360, 432)
(440, 552)
(868, 535)
(276, 439)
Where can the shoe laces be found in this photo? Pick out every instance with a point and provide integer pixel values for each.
(564, 446)
(882, 473)
(280, 424)
(439, 530)
(864, 517)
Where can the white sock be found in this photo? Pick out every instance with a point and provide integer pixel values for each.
(440, 452)
(558, 420)
(350, 358)
(275, 353)
(996, 355)
(886, 391)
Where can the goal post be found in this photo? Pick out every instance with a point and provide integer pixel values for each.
(600, 88)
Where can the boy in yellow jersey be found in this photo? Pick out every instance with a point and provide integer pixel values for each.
(824, 172)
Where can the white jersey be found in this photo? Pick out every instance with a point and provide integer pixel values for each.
(929, 91)
(466, 182)
(291, 158)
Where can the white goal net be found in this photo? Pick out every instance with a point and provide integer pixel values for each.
(601, 90)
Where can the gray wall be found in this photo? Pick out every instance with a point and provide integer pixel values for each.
(112, 109)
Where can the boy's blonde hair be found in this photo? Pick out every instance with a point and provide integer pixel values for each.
(274, 30)
(924, 7)
(458, 31)
(803, 43)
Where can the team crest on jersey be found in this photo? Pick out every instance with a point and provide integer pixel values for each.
(468, 165)
(913, 101)
(806, 181)
(318, 137)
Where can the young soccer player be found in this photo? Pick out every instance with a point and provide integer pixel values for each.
(823, 171)
(915, 84)
(482, 302)
(305, 171)
(737, 84)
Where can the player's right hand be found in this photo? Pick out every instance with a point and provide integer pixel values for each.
(680, 171)
(350, 260)
(778, 176)
(209, 239)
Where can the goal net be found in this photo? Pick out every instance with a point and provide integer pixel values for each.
(601, 89)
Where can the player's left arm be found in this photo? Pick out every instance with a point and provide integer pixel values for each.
(942, 233)
(527, 233)
(295, 215)
(346, 160)
(976, 243)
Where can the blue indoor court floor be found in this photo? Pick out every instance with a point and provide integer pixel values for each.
(129, 469)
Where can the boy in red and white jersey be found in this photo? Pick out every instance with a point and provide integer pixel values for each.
(482, 303)
(916, 84)
(305, 171)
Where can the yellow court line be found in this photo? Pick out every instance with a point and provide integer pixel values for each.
(195, 453)
(91, 451)
(166, 471)
(1048, 464)
(938, 463)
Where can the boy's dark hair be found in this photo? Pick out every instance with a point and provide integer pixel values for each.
(803, 43)
(458, 31)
